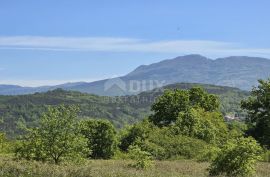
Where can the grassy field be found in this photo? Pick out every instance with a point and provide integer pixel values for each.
(110, 168)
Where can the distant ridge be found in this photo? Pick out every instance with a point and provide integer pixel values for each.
(235, 71)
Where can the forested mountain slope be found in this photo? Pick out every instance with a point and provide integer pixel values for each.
(26, 109)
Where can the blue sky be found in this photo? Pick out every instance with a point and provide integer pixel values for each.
(51, 42)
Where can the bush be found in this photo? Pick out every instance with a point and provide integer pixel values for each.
(162, 144)
(236, 158)
(4, 145)
(130, 134)
(142, 158)
(201, 124)
(266, 156)
(237, 128)
(101, 136)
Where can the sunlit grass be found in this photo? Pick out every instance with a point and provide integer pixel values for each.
(109, 168)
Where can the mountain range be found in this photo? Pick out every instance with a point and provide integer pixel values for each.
(236, 71)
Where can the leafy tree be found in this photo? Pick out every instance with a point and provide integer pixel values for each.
(236, 158)
(56, 139)
(168, 106)
(200, 98)
(258, 107)
(101, 136)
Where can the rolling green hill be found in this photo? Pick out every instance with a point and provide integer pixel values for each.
(26, 109)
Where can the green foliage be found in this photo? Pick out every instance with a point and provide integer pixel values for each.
(31, 147)
(200, 98)
(57, 138)
(266, 156)
(192, 122)
(101, 136)
(168, 106)
(258, 107)
(198, 123)
(3, 143)
(26, 110)
(230, 97)
(142, 158)
(162, 144)
(131, 134)
(237, 158)
(171, 103)
(237, 128)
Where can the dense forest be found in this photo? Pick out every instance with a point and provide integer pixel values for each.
(16, 111)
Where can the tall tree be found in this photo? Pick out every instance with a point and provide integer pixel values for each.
(258, 107)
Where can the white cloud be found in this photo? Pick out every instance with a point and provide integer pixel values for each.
(111, 44)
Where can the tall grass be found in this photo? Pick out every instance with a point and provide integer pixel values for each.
(109, 168)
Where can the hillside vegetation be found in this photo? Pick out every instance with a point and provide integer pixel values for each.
(26, 109)
(185, 126)
(120, 110)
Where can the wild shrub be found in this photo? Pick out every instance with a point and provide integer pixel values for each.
(143, 159)
(266, 156)
(129, 135)
(162, 144)
(201, 124)
(236, 158)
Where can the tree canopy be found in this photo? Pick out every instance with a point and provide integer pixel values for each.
(168, 106)
(258, 107)
(101, 136)
(56, 138)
